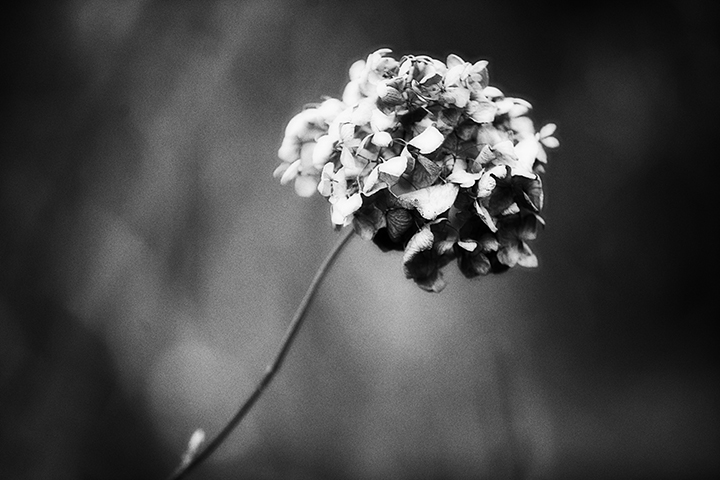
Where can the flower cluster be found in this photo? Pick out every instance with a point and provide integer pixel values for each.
(427, 158)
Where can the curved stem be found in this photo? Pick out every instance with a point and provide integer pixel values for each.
(273, 367)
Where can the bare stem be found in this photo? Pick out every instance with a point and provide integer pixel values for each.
(272, 368)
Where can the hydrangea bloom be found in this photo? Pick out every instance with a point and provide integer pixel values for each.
(425, 157)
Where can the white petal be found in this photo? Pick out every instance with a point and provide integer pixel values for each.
(326, 176)
(350, 205)
(291, 172)
(323, 149)
(486, 185)
(305, 185)
(454, 60)
(550, 142)
(356, 69)
(469, 245)
(431, 201)
(379, 121)
(352, 166)
(395, 166)
(297, 126)
(362, 113)
(479, 66)
(306, 154)
(485, 216)
(278, 172)
(547, 130)
(505, 149)
(486, 155)
(345, 207)
(382, 139)
(526, 151)
(461, 176)
(492, 92)
(352, 94)
(289, 150)
(452, 77)
(370, 181)
(428, 141)
(484, 112)
(330, 109)
(527, 258)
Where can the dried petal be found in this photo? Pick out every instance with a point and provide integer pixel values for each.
(398, 221)
(431, 201)
(290, 173)
(428, 141)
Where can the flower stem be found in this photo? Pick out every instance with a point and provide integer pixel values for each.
(273, 367)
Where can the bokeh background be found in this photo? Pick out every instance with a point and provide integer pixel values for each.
(149, 263)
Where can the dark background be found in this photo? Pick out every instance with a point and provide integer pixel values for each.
(149, 262)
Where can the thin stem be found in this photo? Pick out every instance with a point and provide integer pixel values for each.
(273, 367)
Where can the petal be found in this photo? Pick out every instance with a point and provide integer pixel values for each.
(363, 112)
(523, 125)
(352, 166)
(526, 151)
(306, 185)
(463, 178)
(325, 184)
(527, 258)
(454, 60)
(351, 205)
(550, 142)
(379, 121)
(371, 184)
(485, 216)
(395, 166)
(509, 255)
(430, 201)
(452, 77)
(459, 96)
(306, 154)
(483, 112)
(289, 150)
(382, 139)
(486, 155)
(547, 130)
(486, 184)
(421, 241)
(298, 126)
(492, 92)
(398, 220)
(356, 69)
(291, 172)
(323, 150)
(344, 208)
(428, 141)
(278, 172)
(469, 245)
(368, 221)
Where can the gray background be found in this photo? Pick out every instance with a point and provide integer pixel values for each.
(149, 263)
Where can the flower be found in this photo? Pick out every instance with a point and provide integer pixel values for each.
(425, 157)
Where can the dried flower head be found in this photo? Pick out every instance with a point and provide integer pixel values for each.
(427, 158)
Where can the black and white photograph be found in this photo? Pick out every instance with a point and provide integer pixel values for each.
(363, 240)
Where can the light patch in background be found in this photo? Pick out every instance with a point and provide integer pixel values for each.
(194, 385)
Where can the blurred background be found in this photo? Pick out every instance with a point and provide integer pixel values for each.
(149, 262)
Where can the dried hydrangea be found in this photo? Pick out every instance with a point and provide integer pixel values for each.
(425, 157)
